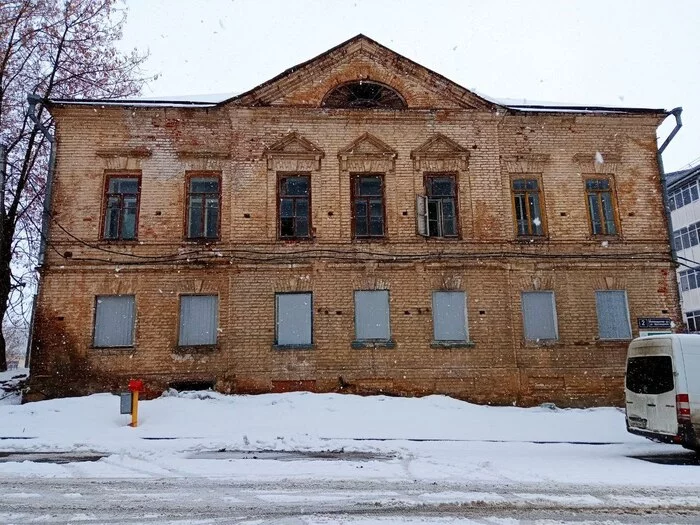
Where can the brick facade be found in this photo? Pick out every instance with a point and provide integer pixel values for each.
(280, 127)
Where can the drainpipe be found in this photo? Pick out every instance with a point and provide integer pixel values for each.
(46, 215)
(33, 100)
(676, 112)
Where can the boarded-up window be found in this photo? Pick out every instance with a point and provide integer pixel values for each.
(613, 315)
(449, 316)
(198, 320)
(293, 318)
(539, 316)
(114, 320)
(372, 315)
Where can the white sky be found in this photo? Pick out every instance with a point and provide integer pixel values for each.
(639, 53)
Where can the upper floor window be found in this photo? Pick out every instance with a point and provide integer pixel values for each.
(683, 195)
(368, 205)
(121, 207)
(600, 206)
(441, 205)
(687, 237)
(527, 201)
(693, 319)
(203, 198)
(363, 94)
(294, 206)
(690, 279)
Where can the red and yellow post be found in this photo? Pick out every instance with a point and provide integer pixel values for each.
(135, 386)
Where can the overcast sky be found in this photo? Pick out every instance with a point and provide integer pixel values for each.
(636, 53)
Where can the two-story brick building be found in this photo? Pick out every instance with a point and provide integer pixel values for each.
(358, 223)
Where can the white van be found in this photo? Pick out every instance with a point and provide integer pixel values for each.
(662, 388)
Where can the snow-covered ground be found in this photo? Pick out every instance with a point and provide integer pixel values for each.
(334, 448)
(429, 438)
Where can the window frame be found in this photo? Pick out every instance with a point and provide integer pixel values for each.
(94, 323)
(692, 320)
(308, 345)
(354, 178)
(613, 202)
(542, 207)
(215, 344)
(376, 341)
(427, 177)
(328, 101)
(281, 176)
(555, 317)
(123, 174)
(201, 175)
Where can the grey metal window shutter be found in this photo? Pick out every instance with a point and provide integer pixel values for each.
(449, 316)
(613, 315)
(198, 319)
(539, 316)
(372, 315)
(294, 318)
(114, 320)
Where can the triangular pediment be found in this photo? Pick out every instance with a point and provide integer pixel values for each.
(361, 59)
(293, 144)
(439, 146)
(367, 145)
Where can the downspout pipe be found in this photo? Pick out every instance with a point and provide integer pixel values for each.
(33, 100)
(676, 112)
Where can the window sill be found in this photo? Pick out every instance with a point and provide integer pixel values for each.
(295, 239)
(196, 349)
(613, 341)
(370, 239)
(436, 238)
(119, 349)
(213, 240)
(119, 241)
(543, 343)
(294, 347)
(452, 344)
(373, 343)
(529, 239)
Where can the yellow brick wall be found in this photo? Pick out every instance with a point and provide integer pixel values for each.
(248, 265)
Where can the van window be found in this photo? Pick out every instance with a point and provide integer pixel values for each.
(649, 374)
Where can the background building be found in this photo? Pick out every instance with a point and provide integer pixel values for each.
(358, 223)
(684, 203)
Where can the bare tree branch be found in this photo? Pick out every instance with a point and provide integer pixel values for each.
(51, 48)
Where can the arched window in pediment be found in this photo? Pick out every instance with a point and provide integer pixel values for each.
(363, 94)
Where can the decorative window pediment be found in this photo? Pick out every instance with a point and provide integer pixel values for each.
(362, 94)
(526, 162)
(293, 153)
(440, 154)
(599, 162)
(367, 153)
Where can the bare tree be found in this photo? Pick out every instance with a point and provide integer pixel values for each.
(50, 49)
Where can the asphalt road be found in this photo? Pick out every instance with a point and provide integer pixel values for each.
(190, 501)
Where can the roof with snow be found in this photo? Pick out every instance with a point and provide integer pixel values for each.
(262, 94)
(678, 178)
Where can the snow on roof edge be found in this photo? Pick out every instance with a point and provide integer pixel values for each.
(215, 99)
